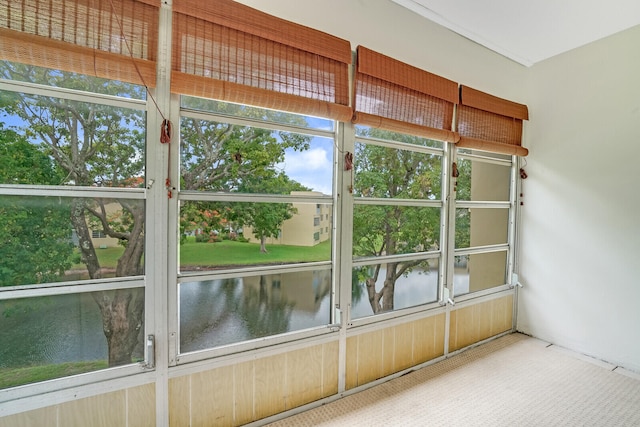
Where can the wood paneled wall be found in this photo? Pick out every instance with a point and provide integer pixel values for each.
(474, 323)
(248, 391)
(376, 354)
(133, 407)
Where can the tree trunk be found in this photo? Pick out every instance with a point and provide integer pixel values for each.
(263, 244)
(122, 310)
(374, 297)
(87, 250)
(389, 287)
(122, 322)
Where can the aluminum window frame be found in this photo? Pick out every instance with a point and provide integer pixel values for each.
(508, 247)
(177, 358)
(88, 285)
(384, 319)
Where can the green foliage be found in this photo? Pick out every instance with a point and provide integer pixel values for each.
(382, 172)
(218, 156)
(463, 216)
(231, 158)
(34, 231)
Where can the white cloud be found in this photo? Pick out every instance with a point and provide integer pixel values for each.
(312, 168)
(310, 160)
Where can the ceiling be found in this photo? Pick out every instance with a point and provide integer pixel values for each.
(529, 31)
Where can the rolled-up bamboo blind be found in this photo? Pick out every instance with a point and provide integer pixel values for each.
(392, 95)
(115, 39)
(489, 123)
(229, 51)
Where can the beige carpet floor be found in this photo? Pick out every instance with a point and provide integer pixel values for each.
(512, 381)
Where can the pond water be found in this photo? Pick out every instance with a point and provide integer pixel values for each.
(68, 328)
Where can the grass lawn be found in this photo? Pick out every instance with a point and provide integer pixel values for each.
(229, 252)
(108, 258)
(11, 377)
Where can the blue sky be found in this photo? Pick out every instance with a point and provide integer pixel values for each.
(312, 168)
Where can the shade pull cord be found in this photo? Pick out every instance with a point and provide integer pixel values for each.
(165, 138)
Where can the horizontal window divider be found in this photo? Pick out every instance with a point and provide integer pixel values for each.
(415, 256)
(249, 271)
(77, 386)
(470, 204)
(481, 249)
(400, 145)
(73, 191)
(478, 297)
(73, 287)
(420, 203)
(259, 347)
(72, 94)
(201, 196)
(485, 159)
(394, 318)
(241, 121)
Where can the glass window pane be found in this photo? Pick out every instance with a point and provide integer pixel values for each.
(219, 312)
(56, 336)
(480, 227)
(57, 239)
(391, 289)
(69, 80)
(255, 113)
(384, 172)
(221, 235)
(477, 272)
(367, 132)
(52, 141)
(482, 181)
(217, 156)
(389, 230)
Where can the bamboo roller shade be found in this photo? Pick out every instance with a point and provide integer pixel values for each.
(489, 123)
(392, 95)
(228, 51)
(235, 53)
(91, 37)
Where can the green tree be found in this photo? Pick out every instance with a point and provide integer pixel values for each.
(378, 230)
(266, 219)
(92, 145)
(463, 192)
(218, 156)
(33, 231)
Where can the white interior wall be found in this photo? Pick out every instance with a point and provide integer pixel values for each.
(580, 253)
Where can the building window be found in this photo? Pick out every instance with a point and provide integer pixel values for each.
(397, 210)
(214, 203)
(60, 327)
(482, 212)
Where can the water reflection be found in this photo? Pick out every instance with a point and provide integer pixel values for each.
(49, 330)
(225, 311)
(418, 287)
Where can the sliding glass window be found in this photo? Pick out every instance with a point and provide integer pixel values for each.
(256, 226)
(397, 193)
(482, 221)
(72, 225)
